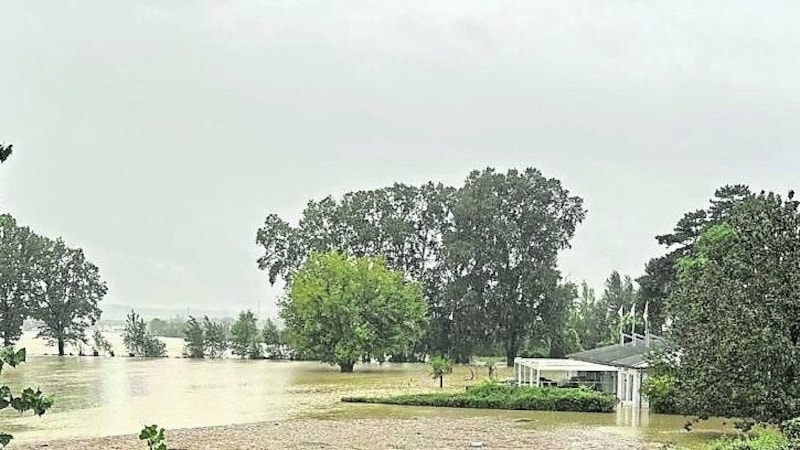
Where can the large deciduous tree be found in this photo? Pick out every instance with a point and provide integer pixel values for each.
(68, 291)
(11, 280)
(340, 308)
(736, 311)
(18, 250)
(455, 243)
(404, 225)
(508, 230)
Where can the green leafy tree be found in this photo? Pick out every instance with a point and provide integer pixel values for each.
(216, 338)
(590, 319)
(273, 339)
(660, 277)
(29, 400)
(139, 341)
(555, 316)
(440, 366)
(736, 326)
(405, 225)
(245, 336)
(69, 289)
(271, 333)
(18, 249)
(508, 230)
(195, 337)
(100, 344)
(620, 293)
(340, 308)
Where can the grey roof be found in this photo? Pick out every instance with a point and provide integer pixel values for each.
(621, 355)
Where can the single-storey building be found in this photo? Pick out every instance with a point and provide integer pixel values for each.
(617, 369)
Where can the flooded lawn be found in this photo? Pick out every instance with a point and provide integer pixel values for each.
(98, 397)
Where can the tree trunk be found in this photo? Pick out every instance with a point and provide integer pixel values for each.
(61, 347)
(347, 367)
(511, 353)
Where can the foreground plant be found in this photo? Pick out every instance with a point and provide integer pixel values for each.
(29, 400)
(154, 436)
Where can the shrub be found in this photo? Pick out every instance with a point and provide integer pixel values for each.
(660, 391)
(497, 396)
(139, 341)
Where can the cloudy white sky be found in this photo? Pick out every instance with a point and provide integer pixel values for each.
(157, 135)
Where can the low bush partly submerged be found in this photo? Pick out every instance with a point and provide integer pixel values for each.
(496, 396)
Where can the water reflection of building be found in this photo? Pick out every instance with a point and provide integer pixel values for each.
(617, 369)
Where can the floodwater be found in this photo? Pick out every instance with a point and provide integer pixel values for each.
(111, 396)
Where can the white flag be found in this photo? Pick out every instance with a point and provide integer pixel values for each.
(621, 311)
(646, 307)
(633, 310)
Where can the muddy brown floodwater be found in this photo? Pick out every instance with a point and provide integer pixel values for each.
(264, 405)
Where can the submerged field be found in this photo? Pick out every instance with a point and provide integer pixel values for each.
(261, 405)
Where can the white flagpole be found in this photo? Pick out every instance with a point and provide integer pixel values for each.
(646, 323)
(621, 329)
(633, 322)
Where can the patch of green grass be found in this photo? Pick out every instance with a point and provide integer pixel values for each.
(496, 396)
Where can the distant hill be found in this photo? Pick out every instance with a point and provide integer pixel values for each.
(113, 312)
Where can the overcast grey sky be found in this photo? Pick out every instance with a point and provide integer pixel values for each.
(157, 135)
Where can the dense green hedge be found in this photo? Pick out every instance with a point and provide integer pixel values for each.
(495, 396)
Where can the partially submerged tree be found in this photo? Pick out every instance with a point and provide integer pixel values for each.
(245, 336)
(340, 308)
(100, 344)
(273, 339)
(440, 366)
(68, 291)
(195, 338)
(139, 341)
(216, 334)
